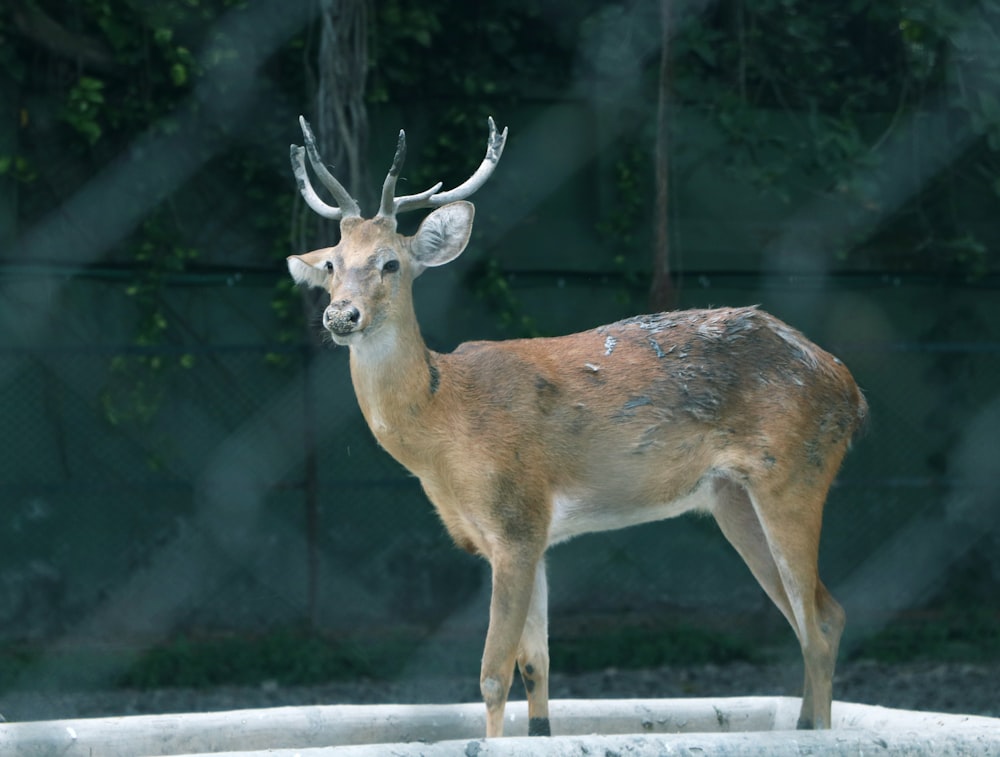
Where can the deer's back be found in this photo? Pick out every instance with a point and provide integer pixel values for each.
(647, 405)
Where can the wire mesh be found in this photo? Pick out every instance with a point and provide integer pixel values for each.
(208, 490)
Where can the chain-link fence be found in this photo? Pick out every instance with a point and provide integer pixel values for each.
(236, 487)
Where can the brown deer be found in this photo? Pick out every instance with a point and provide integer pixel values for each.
(525, 443)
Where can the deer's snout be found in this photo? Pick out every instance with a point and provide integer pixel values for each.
(342, 318)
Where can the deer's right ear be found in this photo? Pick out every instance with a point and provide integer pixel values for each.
(442, 236)
(311, 269)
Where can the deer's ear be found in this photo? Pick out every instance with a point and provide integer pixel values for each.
(311, 269)
(442, 236)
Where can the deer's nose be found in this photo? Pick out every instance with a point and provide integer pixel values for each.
(341, 318)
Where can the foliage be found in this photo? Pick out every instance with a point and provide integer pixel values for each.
(445, 51)
(636, 648)
(119, 69)
(620, 227)
(137, 382)
(808, 95)
(18, 168)
(847, 76)
(82, 109)
(289, 656)
(852, 79)
(972, 635)
(285, 656)
(492, 286)
(498, 56)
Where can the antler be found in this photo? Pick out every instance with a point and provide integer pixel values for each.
(346, 206)
(433, 198)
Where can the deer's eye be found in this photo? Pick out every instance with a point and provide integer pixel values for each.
(390, 266)
(329, 266)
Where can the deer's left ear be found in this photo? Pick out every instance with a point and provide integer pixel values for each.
(442, 236)
(311, 269)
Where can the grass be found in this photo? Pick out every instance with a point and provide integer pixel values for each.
(295, 657)
(286, 657)
(638, 647)
(966, 635)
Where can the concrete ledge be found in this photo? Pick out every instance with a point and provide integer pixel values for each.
(761, 744)
(735, 726)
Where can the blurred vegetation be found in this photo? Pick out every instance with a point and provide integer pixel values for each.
(644, 647)
(292, 657)
(285, 657)
(955, 635)
(90, 76)
(84, 79)
(851, 77)
(963, 624)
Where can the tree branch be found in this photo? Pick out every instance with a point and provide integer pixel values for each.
(36, 25)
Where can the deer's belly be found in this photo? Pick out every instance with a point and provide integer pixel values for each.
(574, 514)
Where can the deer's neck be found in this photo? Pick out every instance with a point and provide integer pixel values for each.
(395, 379)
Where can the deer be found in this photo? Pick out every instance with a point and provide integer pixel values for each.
(521, 444)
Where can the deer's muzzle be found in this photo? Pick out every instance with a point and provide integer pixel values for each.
(342, 319)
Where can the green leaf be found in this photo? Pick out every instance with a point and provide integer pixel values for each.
(178, 75)
(90, 84)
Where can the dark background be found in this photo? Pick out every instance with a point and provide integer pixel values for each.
(188, 493)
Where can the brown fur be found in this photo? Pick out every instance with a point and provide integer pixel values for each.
(523, 443)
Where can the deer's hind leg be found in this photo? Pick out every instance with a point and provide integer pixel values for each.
(777, 535)
(533, 656)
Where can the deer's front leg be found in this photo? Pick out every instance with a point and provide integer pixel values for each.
(533, 656)
(514, 578)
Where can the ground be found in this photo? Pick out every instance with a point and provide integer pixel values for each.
(958, 688)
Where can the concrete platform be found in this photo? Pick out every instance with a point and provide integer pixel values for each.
(637, 727)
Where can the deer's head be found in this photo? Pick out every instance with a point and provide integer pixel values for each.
(369, 273)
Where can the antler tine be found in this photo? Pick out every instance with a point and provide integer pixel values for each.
(390, 203)
(432, 198)
(347, 206)
(298, 157)
(387, 207)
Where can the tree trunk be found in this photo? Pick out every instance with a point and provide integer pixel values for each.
(341, 128)
(9, 127)
(662, 295)
(341, 116)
